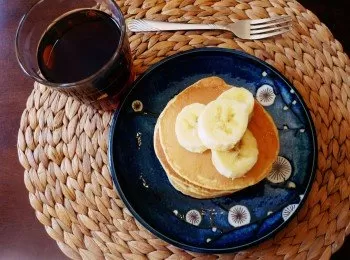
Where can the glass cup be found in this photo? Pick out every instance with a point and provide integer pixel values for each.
(103, 89)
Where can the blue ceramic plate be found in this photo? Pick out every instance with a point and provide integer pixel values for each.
(224, 224)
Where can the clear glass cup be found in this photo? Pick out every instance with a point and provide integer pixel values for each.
(105, 88)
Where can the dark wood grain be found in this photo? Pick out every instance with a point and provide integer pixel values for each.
(21, 235)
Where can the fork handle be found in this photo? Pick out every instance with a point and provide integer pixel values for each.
(138, 25)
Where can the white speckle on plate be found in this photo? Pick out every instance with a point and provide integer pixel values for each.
(144, 183)
(214, 229)
(269, 213)
(291, 185)
(294, 102)
(302, 130)
(208, 240)
(285, 127)
(138, 139)
(285, 108)
(292, 91)
(175, 212)
(264, 74)
(301, 196)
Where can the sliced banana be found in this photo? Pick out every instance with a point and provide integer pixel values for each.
(222, 124)
(238, 161)
(241, 95)
(186, 128)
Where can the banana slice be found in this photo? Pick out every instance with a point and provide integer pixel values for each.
(241, 95)
(222, 124)
(186, 128)
(238, 161)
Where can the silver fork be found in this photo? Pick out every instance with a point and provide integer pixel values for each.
(245, 29)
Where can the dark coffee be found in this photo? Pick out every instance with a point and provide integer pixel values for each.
(78, 45)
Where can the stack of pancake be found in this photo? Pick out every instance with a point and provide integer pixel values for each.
(194, 174)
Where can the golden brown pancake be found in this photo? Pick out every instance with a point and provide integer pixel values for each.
(178, 182)
(198, 169)
(189, 192)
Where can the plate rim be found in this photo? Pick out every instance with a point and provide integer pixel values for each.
(164, 236)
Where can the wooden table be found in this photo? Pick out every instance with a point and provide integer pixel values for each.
(21, 235)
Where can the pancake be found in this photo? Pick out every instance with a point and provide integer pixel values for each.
(187, 191)
(178, 182)
(198, 169)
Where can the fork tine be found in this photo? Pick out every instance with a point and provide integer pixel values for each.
(266, 20)
(266, 35)
(252, 32)
(277, 22)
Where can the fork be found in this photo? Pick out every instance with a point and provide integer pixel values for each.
(246, 29)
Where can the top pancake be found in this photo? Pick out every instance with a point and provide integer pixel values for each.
(198, 168)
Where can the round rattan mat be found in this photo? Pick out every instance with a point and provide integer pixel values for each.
(62, 144)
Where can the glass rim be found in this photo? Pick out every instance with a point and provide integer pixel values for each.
(80, 82)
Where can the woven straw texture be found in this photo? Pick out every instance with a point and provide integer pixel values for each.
(62, 144)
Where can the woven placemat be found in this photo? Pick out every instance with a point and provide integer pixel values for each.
(62, 144)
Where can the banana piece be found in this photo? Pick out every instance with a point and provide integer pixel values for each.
(238, 161)
(186, 128)
(222, 124)
(241, 95)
